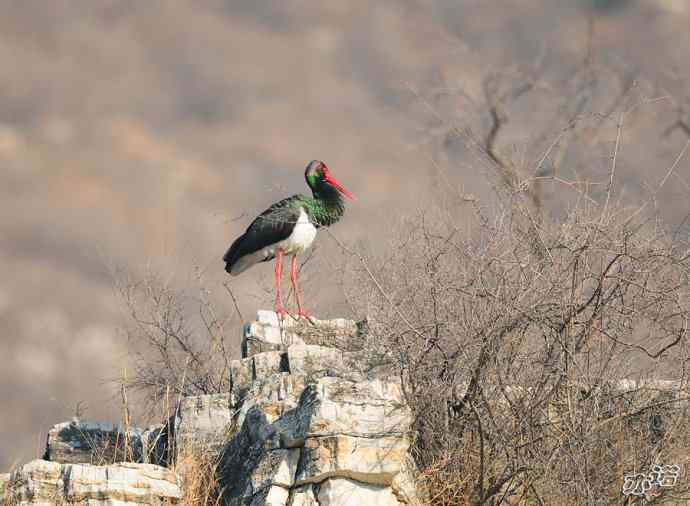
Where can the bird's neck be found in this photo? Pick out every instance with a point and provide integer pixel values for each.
(325, 207)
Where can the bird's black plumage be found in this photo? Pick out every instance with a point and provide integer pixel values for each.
(289, 226)
(275, 224)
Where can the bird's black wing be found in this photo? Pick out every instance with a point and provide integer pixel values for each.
(273, 225)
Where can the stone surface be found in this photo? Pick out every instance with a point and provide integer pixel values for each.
(269, 363)
(202, 423)
(404, 485)
(81, 441)
(269, 333)
(345, 492)
(273, 468)
(273, 496)
(260, 338)
(368, 408)
(41, 482)
(307, 413)
(368, 460)
(245, 372)
(304, 496)
(315, 361)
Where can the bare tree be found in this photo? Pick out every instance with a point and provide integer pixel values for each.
(542, 372)
(178, 340)
(544, 350)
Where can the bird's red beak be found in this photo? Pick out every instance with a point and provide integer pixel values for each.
(331, 180)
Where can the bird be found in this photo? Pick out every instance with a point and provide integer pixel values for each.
(289, 227)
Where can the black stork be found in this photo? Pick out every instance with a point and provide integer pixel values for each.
(289, 227)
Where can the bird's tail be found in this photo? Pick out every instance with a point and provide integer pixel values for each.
(229, 258)
(237, 266)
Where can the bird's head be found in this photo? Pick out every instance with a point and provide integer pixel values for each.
(320, 180)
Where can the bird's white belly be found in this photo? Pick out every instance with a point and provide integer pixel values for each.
(300, 239)
(302, 236)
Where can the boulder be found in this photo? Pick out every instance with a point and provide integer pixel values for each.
(81, 441)
(273, 496)
(41, 482)
(267, 333)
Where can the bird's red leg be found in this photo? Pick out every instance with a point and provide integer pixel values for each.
(293, 278)
(280, 310)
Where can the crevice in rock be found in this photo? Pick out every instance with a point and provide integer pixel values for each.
(315, 489)
(284, 363)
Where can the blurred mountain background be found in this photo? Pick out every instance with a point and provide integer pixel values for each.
(139, 136)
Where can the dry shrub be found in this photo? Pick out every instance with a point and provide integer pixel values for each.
(543, 350)
(6, 494)
(180, 342)
(543, 358)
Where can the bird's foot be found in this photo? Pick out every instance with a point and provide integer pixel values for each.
(281, 312)
(303, 314)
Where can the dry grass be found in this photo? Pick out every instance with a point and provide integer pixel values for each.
(199, 480)
(6, 495)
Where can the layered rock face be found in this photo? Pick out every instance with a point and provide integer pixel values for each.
(309, 420)
(41, 482)
(312, 421)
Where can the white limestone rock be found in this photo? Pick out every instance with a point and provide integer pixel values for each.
(367, 460)
(345, 492)
(269, 333)
(273, 496)
(304, 496)
(275, 467)
(310, 422)
(203, 423)
(245, 372)
(315, 361)
(41, 482)
(336, 406)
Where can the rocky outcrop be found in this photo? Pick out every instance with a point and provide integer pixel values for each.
(268, 334)
(41, 482)
(312, 422)
(308, 421)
